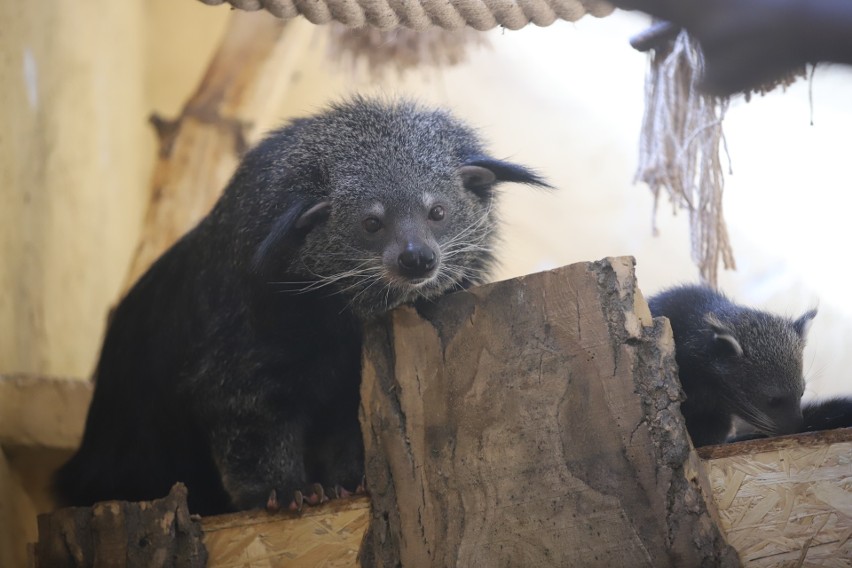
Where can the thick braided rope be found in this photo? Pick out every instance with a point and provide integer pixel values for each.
(419, 15)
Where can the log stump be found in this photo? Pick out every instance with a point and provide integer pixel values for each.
(533, 422)
(152, 534)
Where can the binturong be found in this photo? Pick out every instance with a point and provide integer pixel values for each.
(233, 365)
(734, 360)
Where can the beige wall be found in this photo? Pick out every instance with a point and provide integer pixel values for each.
(79, 81)
(72, 174)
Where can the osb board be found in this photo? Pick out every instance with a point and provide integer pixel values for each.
(327, 536)
(786, 501)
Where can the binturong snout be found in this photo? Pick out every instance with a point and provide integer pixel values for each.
(793, 422)
(417, 260)
(785, 419)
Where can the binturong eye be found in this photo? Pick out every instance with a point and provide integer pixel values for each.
(437, 213)
(371, 224)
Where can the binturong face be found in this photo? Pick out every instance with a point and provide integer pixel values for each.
(763, 355)
(417, 240)
(379, 203)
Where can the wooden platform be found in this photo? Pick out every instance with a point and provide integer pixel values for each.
(328, 536)
(786, 501)
(532, 422)
(783, 501)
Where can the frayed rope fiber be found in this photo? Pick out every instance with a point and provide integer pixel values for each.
(679, 150)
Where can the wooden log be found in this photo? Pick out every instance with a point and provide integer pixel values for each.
(157, 533)
(533, 422)
(199, 150)
(786, 501)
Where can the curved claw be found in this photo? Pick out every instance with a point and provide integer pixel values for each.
(362, 487)
(272, 504)
(297, 502)
(317, 496)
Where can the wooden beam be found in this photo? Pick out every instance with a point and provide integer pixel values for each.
(199, 151)
(329, 535)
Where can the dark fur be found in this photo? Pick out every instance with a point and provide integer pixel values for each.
(827, 414)
(734, 360)
(233, 365)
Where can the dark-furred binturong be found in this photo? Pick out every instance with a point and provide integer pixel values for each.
(734, 360)
(234, 363)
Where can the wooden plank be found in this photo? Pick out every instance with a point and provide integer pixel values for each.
(43, 412)
(503, 428)
(329, 536)
(786, 501)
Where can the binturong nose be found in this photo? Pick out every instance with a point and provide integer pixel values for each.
(417, 260)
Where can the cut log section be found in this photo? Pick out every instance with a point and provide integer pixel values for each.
(532, 422)
(117, 533)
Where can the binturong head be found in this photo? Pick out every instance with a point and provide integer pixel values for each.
(380, 203)
(758, 365)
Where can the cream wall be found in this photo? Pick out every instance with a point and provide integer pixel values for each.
(70, 177)
(79, 80)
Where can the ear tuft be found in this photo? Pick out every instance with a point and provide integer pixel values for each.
(477, 178)
(500, 171)
(803, 324)
(313, 216)
(723, 335)
(295, 221)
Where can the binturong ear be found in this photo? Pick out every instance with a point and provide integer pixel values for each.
(723, 335)
(480, 175)
(286, 231)
(803, 324)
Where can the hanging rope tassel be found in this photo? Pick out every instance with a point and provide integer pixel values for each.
(679, 151)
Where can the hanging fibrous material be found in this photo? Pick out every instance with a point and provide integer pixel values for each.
(681, 143)
(679, 149)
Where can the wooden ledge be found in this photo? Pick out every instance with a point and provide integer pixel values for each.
(759, 445)
(785, 501)
(43, 412)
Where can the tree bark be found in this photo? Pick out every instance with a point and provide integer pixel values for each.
(149, 534)
(533, 422)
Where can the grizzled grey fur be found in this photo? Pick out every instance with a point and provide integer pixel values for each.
(234, 363)
(734, 360)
